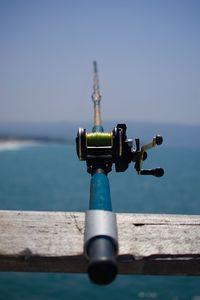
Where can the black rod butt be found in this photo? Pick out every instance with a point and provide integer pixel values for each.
(102, 267)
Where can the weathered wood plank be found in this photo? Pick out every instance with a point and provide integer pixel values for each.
(53, 242)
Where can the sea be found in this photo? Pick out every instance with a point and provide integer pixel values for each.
(49, 177)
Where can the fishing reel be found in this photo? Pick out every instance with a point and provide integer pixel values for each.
(100, 149)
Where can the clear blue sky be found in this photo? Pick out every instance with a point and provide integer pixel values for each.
(148, 55)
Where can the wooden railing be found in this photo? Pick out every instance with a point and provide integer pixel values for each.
(53, 242)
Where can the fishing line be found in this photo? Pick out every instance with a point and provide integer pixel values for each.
(95, 139)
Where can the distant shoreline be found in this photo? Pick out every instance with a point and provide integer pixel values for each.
(33, 139)
(181, 135)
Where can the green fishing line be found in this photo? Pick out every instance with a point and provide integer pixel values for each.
(96, 139)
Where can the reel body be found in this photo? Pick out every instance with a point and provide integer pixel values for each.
(102, 149)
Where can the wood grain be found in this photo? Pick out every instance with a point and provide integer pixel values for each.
(53, 242)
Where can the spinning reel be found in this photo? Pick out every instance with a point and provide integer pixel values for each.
(101, 150)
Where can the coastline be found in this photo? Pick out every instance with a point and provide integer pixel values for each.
(32, 139)
(11, 143)
(15, 144)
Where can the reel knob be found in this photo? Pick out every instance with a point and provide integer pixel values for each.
(159, 140)
(158, 172)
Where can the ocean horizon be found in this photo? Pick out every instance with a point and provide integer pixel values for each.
(184, 135)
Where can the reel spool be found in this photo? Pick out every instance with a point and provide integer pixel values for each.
(99, 139)
(93, 145)
(104, 148)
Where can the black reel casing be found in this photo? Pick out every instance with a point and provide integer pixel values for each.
(105, 149)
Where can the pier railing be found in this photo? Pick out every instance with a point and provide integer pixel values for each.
(53, 242)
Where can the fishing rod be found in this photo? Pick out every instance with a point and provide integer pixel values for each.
(101, 150)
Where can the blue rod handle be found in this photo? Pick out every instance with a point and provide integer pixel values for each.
(100, 192)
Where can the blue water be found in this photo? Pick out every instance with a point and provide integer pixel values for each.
(50, 177)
